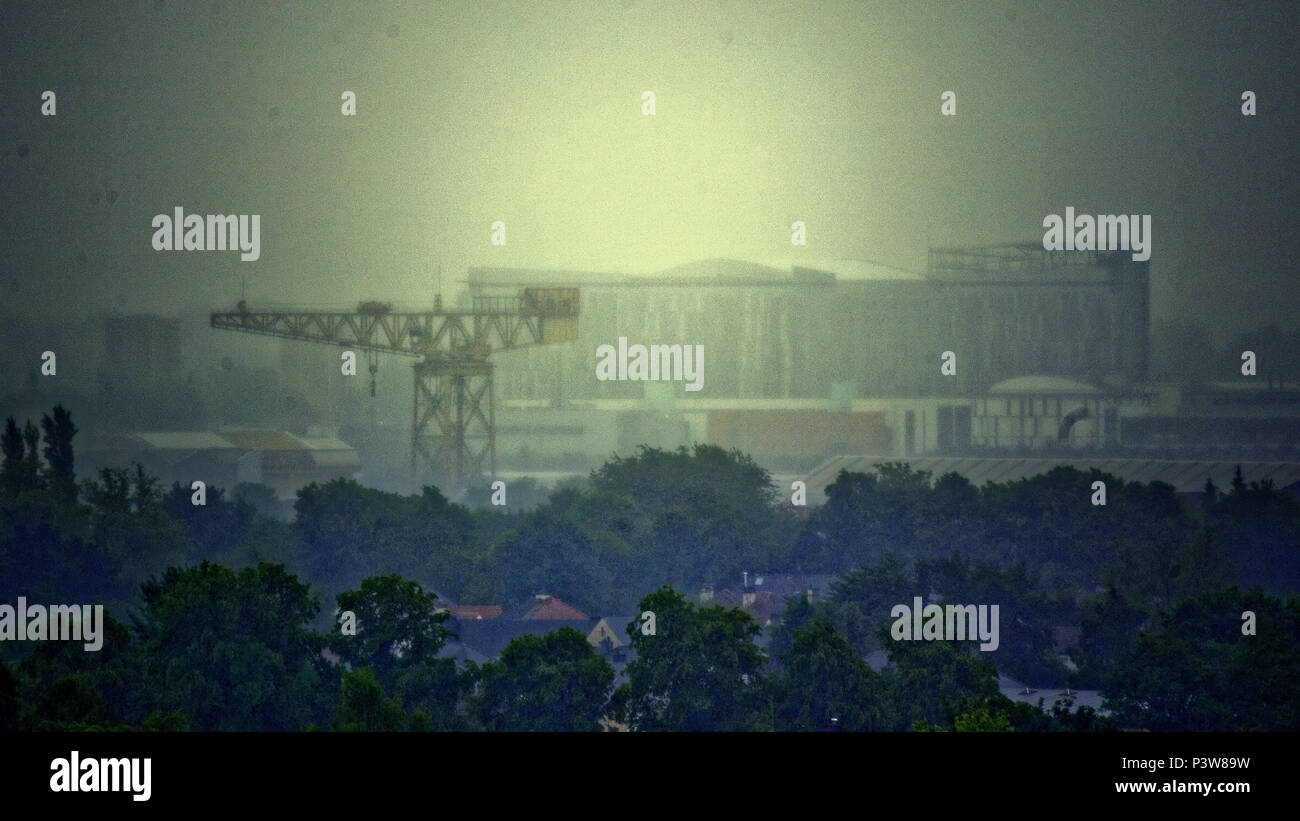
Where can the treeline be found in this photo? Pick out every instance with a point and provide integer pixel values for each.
(220, 625)
(216, 650)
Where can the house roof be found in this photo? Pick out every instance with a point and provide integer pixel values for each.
(263, 440)
(544, 607)
(793, 584)
(725, 597)
(765, 607)
(473, 612)
(612, 627)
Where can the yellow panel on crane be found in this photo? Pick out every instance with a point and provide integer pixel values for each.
(557, 310)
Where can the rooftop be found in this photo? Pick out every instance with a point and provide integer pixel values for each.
(719, 270)
(1042, 384)
(543, 607)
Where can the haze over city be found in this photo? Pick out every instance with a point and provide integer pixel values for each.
(531, 114)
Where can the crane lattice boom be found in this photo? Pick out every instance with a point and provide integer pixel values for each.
(454, 378)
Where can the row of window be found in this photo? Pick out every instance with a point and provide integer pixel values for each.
(1031, 406)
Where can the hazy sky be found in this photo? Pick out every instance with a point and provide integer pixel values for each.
(530, 113)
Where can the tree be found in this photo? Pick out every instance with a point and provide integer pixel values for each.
(14, 471)
(550, 683)
(1027, 651)
(1111, 625)
(929, 680)
(46, 547)
(130, 525)
(1196, 670)
(33, 462)
(1163, 685)
(982, 720)
(863, 599)
(59, 431)
(1258, 527)
(824, 678)
(234, 651)
(229, 532)
(568, 547)
(346, 532)
(398, 636)
(700, 671)
(102, 687)
(698, 515)
(365, 708)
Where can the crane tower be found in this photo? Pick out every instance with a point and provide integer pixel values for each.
(453, 426)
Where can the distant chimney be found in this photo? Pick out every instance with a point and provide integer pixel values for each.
(745, 586)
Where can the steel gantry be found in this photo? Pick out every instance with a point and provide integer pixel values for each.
(453, 425)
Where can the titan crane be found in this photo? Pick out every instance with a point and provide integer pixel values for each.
(450, 428)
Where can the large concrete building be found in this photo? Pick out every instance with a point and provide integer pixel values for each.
(848, 328)
(821, 358)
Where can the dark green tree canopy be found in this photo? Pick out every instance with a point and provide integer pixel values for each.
(700, 671)
(550, 683)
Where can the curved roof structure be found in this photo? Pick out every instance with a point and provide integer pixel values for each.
(849, 270)
(1042, 384)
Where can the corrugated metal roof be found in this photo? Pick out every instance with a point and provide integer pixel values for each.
(263, 440)
(1186, 476)
(197, 440)
(323, 443)
(474, 611)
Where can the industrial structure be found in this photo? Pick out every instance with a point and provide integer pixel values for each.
(453, 427)
(282, 461)
(855, 329)
(808, 360)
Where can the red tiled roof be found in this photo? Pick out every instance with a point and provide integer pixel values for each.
(471, 612)
(547, 608)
